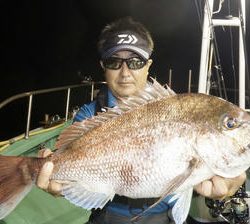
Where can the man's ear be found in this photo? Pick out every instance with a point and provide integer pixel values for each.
(149, 62)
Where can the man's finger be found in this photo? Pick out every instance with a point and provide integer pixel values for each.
(44, 153)
(220, 187)
(204, 188)
(44, 175)
(54, 187)
(235, 183)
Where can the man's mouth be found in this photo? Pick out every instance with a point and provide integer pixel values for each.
(125, 83)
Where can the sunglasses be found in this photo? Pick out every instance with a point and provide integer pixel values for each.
(115, 63)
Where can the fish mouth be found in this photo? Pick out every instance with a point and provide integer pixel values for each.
(247, 147)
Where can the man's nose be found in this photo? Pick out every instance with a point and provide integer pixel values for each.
(125, 71)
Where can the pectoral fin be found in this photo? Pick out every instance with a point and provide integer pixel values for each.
(182, 206)
(79, 194)
(171, 188)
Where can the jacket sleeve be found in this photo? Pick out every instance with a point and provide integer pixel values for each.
(86, 111)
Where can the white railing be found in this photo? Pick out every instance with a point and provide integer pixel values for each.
(31, 94)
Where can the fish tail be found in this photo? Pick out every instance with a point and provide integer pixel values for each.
(17, 176)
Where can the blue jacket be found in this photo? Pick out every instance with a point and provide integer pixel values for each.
(89, 110)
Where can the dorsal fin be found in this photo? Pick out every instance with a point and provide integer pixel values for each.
(153, 91)
(78, 129)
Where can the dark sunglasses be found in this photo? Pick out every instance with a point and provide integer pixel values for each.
(115, 63)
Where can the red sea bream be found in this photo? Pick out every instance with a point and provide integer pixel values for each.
(151, 145)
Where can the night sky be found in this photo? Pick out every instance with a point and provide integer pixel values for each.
(53, 43)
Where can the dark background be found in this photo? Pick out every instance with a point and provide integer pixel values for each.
(52, 43)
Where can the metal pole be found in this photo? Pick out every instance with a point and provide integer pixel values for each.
(206, 37)
(209, 69)
(242, 68)
(67, 104)
(92, 90)
(28, 117)
(170, 78)
(226, 22)
(189, 80)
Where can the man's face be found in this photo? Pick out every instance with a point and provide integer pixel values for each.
(124, 81)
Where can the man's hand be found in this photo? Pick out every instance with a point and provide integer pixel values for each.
(43, 180)
(219, 187)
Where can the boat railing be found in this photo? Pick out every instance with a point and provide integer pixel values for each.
(31, 94)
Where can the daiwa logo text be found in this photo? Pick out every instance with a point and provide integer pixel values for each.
(127, 39)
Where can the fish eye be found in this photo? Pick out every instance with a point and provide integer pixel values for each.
(230, 123)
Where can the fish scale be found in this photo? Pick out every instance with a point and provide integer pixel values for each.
(128, 171)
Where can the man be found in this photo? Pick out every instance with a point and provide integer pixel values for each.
(125, 47)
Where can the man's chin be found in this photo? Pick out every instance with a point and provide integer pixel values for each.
(127, 93)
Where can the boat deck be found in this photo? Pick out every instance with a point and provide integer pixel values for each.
(39, 207)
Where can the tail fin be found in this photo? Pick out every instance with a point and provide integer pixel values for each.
(17, 176)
